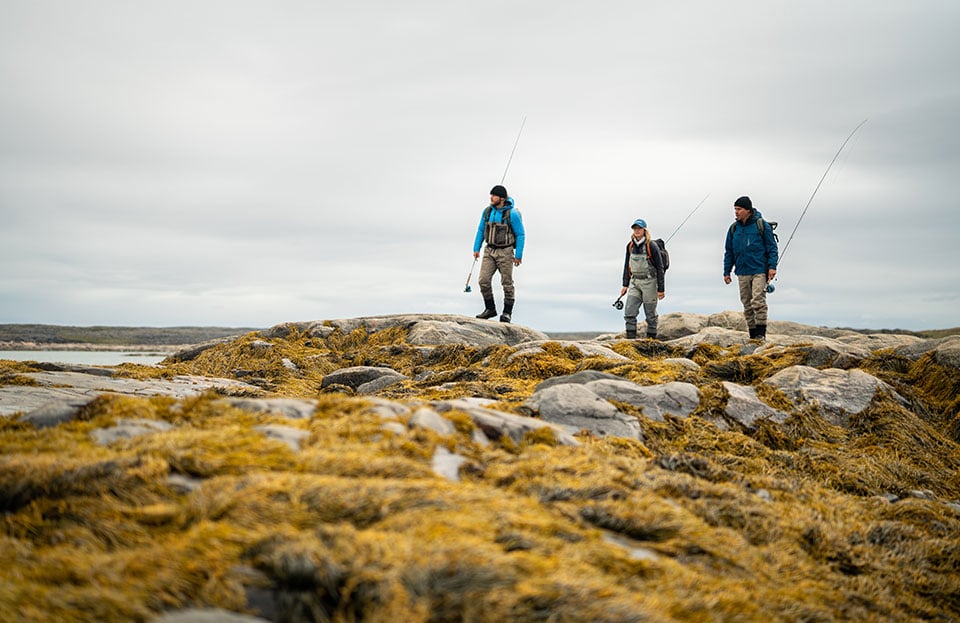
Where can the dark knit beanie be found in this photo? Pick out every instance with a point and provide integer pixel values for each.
(743, 202)
(499, 191)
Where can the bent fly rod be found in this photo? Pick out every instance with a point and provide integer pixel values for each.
(814, 194)
(466, 287)
(783, 254)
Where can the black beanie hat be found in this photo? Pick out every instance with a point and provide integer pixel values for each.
(743, 202)
(499, 191)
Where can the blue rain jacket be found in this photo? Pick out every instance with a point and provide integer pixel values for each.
(496, 216)
(747, 250)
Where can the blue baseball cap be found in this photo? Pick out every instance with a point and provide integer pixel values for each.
(639, 223)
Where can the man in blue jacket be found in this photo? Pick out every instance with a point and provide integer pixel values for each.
(501, 228)
(752, 249)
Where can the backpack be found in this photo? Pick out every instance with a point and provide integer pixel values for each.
(761, 229)
(664, 255)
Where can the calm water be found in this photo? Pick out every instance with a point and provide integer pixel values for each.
(85, 357)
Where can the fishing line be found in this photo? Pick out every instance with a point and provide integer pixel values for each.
(686, 219)
(510, 159)
(809, 201)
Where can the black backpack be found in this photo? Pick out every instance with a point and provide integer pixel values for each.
(663, 253)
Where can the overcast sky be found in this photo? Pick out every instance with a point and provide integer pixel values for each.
(241, 163)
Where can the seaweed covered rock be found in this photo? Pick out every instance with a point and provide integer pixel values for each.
(746, 409)
(838, 394)
(422, 329)
(425, 468)
(363, 379)
(576, 408)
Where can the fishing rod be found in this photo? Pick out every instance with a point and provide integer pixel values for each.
(686, 219)
(783, 254)
(467, 287)
(823, 177)
(516, 142)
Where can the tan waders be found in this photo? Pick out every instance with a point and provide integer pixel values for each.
(753, 295)
(497, 259)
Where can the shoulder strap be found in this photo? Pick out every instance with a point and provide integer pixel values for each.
(763, 233)
(505, 219)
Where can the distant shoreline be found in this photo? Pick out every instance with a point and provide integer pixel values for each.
(103, 338)
(38, 337)
(48, 346)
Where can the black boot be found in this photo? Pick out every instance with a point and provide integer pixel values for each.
(507, 314)
(489, 309)
(631, 334)
(761, 332)
(753, 332)
(651, 336)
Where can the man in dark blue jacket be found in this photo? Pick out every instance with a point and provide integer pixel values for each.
(501, 228)
(752, 249)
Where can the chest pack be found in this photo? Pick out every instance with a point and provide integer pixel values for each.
(761, 229)
(498, 234)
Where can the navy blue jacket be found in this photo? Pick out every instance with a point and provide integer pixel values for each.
(747, 250)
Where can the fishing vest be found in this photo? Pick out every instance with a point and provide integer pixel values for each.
(498, 235)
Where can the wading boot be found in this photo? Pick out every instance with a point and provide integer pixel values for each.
(631, 334)
(761, 332)
(753, 332)
(489, 309)
(651, 336)
(507, 314)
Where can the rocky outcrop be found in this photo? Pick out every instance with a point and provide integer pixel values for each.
(576, 408)
(58, 395)
(837, 394)
(655, 401)
(585, 348)
(363, 379)
(62, 391)
(424, 329)
(745, 409)
(418, 467)
(495, 424)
